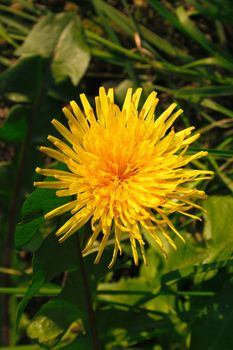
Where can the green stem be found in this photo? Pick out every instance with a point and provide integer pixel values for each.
(55, 291)
(90, 311)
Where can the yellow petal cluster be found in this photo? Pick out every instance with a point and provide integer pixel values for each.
(126, 171)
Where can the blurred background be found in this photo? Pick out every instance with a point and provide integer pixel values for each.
(50, 52)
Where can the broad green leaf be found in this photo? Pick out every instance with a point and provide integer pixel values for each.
(49, 260)
(5, 179)
(212, 321)
(16, 82)
(80, 342)
(44, 330)
(45, 34)
(218, 231)
(15, 127)
(70, 304)
(26, 231)
(218, 243)
(174, 276)
(71, 55)
(24, 77)
(36, 205)
(133, 327)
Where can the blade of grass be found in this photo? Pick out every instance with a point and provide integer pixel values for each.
(208, 103)
(197, 93)
(126, 24)
(213, 152)
(22, 347)
(5, 36)
(187, 27)
(198, 36)
(5, 61)
(168, 15)
(18, 13)
(114, 47)
(224, 178)
(19, 291)
(14, 24)
(113, 37)
(208, 61)
(222, 123)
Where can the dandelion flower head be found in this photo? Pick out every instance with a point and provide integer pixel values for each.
(125, 170)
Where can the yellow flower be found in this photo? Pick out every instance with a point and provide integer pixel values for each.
(125, 171)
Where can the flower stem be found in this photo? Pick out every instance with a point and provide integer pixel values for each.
(89, 305)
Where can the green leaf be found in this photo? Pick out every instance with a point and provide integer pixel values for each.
(71, 55)
(5, 36)
(5, 179)
(220, 11)
(15, 126)
(197, 93)
(128, 26)
(188, 27)
(22, 347)
(213, 152)
(208, 103)
(70, 305)
(47, 263)
(36, 205)
(212, 323)
(14, 23)
(24, 77)
(62, 36)
(174, 276)
(168, 15)
(131, 327)
(218, 230)
(192, 30)
(43, 329)
(216, 253)
(44, 36)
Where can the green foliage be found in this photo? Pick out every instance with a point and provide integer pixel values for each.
(218, 231)
(37, 204)
(182, 49)
(71, 56)
(43, 329)
(63, 39)
(15, 127)
(47, 31)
